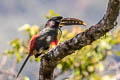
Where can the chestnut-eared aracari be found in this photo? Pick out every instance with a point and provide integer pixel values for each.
(49, 36)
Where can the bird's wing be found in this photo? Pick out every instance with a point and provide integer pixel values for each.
(46, 36)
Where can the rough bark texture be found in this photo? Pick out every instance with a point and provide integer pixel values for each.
(49, 60)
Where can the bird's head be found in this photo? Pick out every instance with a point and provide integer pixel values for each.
(59, 21)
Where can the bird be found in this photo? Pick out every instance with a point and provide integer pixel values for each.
(49, 36)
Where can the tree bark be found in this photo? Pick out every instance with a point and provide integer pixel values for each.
(49, 61)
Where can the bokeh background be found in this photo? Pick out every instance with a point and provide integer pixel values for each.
(16, 13)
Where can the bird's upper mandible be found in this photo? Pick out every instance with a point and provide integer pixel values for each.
(59, 21)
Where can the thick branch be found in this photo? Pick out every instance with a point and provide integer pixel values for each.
(49, 60)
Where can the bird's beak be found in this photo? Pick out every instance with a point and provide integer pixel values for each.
(71, 21)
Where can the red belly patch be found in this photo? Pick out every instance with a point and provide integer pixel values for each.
(55, 42)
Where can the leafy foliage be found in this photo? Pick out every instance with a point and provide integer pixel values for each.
(84, 62)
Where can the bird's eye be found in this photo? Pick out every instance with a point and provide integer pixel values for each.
(51, 23)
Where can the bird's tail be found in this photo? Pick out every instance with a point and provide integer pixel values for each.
(23, 65)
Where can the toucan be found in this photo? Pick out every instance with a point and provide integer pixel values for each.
(49, 36)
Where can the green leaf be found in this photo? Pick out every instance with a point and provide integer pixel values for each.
(117, 53)
(26, 78)
(51, 13)
(25, 27)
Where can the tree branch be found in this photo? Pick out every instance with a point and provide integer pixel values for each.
(49, 60)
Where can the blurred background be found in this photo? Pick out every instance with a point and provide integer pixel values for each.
(20, 19)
